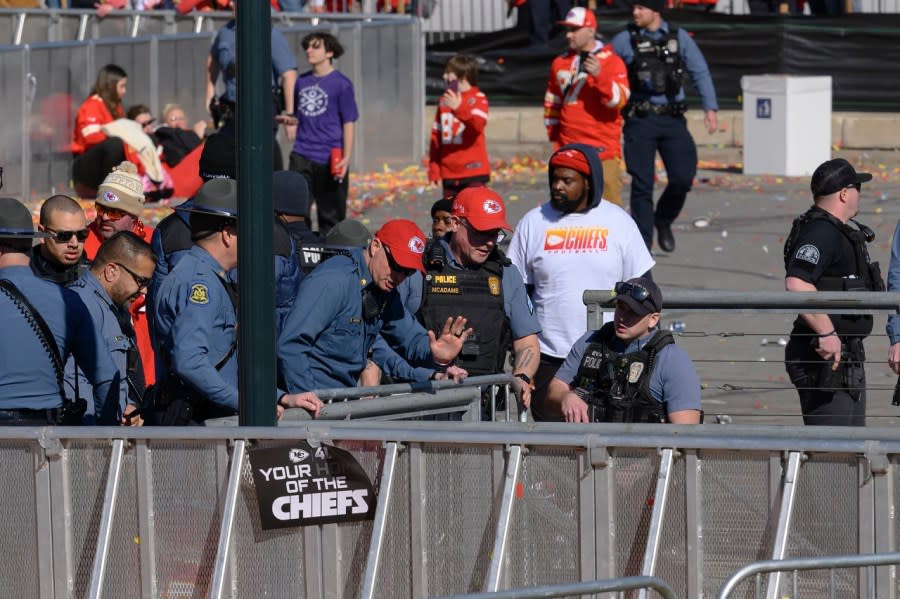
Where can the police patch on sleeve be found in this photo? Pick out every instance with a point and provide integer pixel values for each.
(199, 294)
(808, 253)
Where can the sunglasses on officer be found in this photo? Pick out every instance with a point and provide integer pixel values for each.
(498, 236)
(856, 186)
(110, 213)
(637, 292)
(141, 282)
(394, 266)
(65, 236)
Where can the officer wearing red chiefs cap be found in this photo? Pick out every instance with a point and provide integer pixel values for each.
(347, 301)
(467, 273)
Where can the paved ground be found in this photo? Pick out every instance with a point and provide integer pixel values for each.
(741, 249)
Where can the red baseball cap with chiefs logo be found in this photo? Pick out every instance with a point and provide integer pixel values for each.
(482, 207)
(580, 17)
(405, 241)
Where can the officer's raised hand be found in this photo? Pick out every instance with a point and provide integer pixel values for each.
(574, 409)
(446, 347)
(307, 400)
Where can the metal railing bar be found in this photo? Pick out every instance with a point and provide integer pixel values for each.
(43, 517)
(106, 519)
(765, 301)
(427, 387)
(789, 494)
(378, 527)
(806, 563)
(217, 585)
(660, 498)
(146, 518)
(766, 437)
(580, 588)
(504, 519)
(383, 406)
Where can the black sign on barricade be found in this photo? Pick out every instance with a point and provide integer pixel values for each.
(299, 485)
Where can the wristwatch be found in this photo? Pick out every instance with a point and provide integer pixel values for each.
(524, 377)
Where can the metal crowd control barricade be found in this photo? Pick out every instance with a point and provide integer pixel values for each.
(405, 401)
(830, 563)
(581, 588)
(462, 508)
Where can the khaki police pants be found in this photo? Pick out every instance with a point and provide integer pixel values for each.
(612, 180)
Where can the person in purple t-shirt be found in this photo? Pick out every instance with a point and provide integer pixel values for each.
(326, 115)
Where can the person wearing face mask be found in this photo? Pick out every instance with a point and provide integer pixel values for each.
(347, 301)
(119, 274)
(574, 242)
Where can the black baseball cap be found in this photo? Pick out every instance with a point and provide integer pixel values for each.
(834, 175)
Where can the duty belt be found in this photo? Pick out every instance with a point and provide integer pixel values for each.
(644, 108)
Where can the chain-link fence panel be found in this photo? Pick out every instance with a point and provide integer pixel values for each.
(459, 506)
(88, 466)
(186, 517)
(737, 521)
(544, 537)
(633, 474)
(825, 522)
(19, 566)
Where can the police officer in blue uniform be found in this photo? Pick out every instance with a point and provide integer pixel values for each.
(657, 55)
(222, 60)
(195, 317)
(467, 273)
(629, 370)
(826, 251)
(120, 273)
(346, 301)
(43, 324)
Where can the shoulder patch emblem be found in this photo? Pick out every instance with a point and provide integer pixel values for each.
(808, 253)
(199, 294)
(494, 285)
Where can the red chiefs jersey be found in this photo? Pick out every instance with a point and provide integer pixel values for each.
(458, 146)
(586, 109)
(89, 119)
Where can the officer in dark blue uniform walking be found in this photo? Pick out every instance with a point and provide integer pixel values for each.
(42, 325)
(657, 54)
(195, 317)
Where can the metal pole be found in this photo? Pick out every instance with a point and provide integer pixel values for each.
(656, 518)
(504, 519)
(784, 520)
(106, 519)
(217, 585)
(256, 365)
(378, 527)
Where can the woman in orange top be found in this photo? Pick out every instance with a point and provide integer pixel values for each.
(95, 153)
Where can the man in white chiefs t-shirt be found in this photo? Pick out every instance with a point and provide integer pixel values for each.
(572, 243)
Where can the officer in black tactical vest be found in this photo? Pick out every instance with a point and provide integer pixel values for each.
(629, 370)
(825, 252)
(466, 273)
(658, 56)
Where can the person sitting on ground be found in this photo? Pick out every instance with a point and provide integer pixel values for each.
(629, 370)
